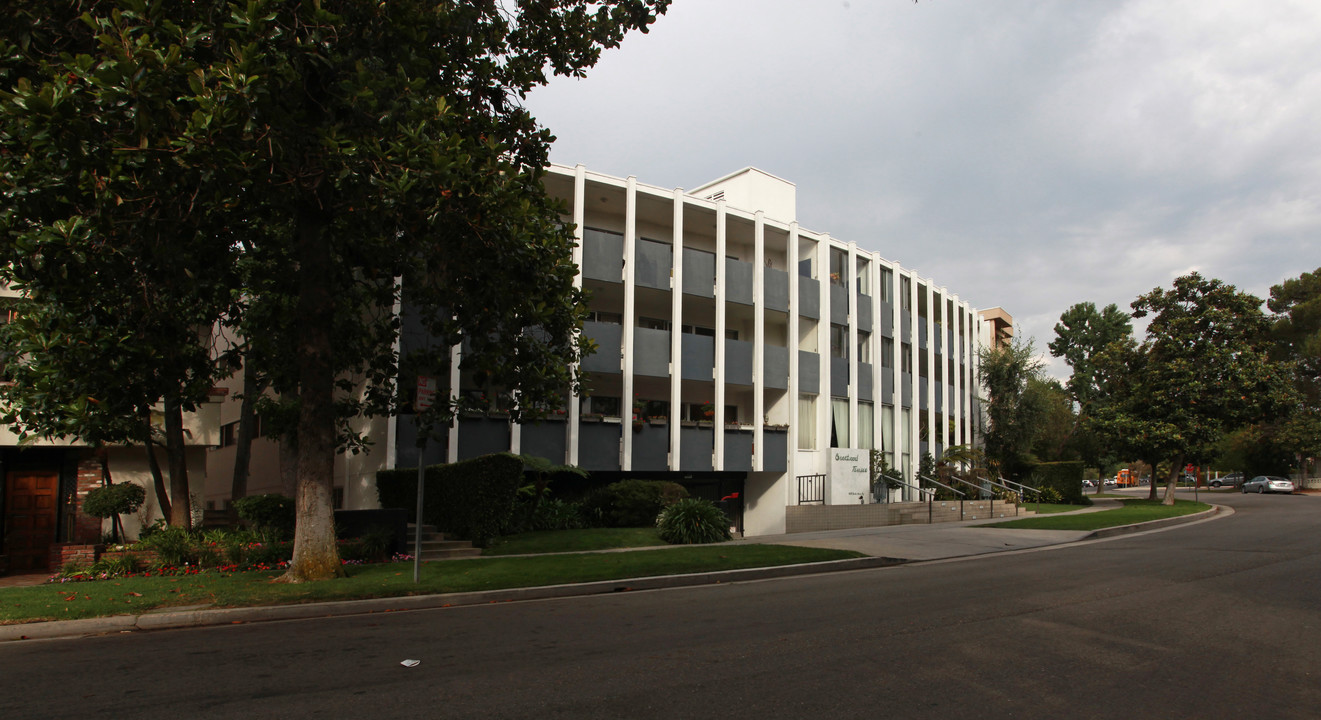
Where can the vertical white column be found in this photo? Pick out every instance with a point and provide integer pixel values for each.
(452, 452)
(896, 349)
(851, 352)
(630, 321)
(824, 411)
(795, 394)
(877, 385)
(758, 335)
(718, 403)
(915, 379)
(955, 411)
(676, 328)
(579, 195)
(932, 431)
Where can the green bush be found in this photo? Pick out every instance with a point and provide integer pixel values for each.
(371, 547)
(1064, 477)
(1049, 495)
(110, 500)
(174, 546)
(272, 513)
(471, 499)
(693, 520)
(637, 503)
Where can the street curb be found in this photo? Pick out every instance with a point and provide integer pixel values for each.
(233, 616)
(1157, 524)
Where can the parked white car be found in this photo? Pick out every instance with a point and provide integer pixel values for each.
(1268, 484)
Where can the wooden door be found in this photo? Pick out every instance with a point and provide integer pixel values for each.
(30, 504)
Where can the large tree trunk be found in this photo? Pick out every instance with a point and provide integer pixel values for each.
(181, 504)
(316, 556)
(158, 479)
(1173, 481)
(1151, 494)
(247, 426)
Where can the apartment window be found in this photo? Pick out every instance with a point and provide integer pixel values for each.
(839, 341)
(600, 405)
(921, 302)
(699, 330)
(602, 316)
(887, 433)
(839, 422)
(921, 365)
(229, 434)
(906, 294)
(940, 374)
(731, 413)
(731, 334)
(887, 285)
(838, 267)
(864, 347)
(806, 422)
(906, 358)
(866, 421)
(887, 352)
(864, 276)
(653, 323)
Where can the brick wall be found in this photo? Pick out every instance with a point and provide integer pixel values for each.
(83, 554)
(86, 529)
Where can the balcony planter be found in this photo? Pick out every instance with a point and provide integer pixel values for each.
(498, 414)
(658, 421)
(690, 423)
(589, 418)
(612, 420)
(776, 428)
(733, 426)
(471, 414)
(704, 423)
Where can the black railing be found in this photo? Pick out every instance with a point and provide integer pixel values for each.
(811, 489)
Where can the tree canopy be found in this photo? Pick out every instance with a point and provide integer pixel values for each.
(339, 157)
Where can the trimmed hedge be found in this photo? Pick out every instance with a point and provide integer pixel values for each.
(271, 512)
(118, 499)
(470, 499)
(1063, 477)
(632, 502)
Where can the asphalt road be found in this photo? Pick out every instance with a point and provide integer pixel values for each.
(1219, 619)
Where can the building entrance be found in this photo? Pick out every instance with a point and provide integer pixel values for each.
(31, 499)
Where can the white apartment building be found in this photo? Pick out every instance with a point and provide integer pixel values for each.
(738, 353)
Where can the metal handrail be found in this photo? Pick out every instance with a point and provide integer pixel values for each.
(1022, 491)
(962, 496)
(937, 482)
(956, 478)
(931, 494)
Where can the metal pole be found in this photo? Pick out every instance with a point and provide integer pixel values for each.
(417, 525)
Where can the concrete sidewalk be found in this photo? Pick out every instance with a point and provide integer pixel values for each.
(883, 546)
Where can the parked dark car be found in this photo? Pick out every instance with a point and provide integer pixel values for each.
(1268, 484)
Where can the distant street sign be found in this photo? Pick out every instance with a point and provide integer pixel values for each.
(426, 392)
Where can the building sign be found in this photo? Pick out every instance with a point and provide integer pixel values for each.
(850, 476)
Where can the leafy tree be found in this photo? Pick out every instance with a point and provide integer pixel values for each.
(355, 156)
(1202, 371)
(1296, 330)
(1080, 335)
(1015, 414)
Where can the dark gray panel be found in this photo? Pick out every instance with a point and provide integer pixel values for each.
(864, 312)
(699, 356)
(922, 333)
(699, 272)
(653, 260)
(598, 446)
(651, 352)
(738, 449)
(695, 447)
(839, 305)
(775, 367)
(940, 400)
(864, 381)
(603, 255)
(546, 439)
(887, 388)
(651, 446)
(738, 362)
(905, 328)
(839, 377)
(906, 389)
(776, 455)
(809, 372)
(777, 289)
(406, 444)
(887, 319)
(609, 342)
(809, 298)
(738, 281)
(482, 436)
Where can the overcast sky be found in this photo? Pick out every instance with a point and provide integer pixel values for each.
(1030, 154)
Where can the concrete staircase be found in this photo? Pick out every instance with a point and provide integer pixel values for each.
(436, 547)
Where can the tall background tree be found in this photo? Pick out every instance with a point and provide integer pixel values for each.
(1296, 331)
(1082, 333)
(1015, 406)
(367, 154)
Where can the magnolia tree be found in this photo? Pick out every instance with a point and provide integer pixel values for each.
(339, 158)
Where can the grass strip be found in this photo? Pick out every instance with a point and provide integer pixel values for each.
(557, 541)
(1050, 508)
(136, 595)
(1133, 511)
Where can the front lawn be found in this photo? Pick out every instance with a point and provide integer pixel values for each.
(1133, 511)
(555, 541)
(136, 595)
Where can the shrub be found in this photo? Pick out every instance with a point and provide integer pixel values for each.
(174, 546)
(637, 503)
(693, 520)
(117, 499)
(270, 513)
(1049, 495)
(1064, 477)
(471, 499)
(370, 547)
